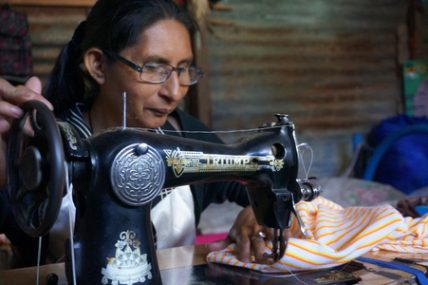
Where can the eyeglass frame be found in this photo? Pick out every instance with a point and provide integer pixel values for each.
(140, 69)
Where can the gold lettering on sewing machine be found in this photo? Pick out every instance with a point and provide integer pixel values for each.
(196, 162)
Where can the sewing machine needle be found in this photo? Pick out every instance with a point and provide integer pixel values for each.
(278, 249)
(124, 103)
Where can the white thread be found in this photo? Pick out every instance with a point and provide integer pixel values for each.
(353, 162)
(158, 130)
(301, 148)
(295, 277)
(39, 254)
(70, 225)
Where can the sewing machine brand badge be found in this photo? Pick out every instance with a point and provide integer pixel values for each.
(196, 162)
(137, 174)
(128, 266)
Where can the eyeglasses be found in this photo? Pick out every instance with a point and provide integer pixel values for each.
(156, 72)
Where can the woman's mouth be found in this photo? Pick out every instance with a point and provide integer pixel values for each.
(159, 112)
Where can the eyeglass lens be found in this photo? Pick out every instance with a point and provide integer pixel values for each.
(158, 73)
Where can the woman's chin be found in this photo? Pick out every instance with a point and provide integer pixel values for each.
(153, 123)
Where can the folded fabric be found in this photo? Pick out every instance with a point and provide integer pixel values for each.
(337, 235)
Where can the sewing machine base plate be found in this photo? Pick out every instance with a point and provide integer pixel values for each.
(227, 275)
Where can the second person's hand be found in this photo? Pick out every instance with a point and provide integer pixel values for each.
(12, 97)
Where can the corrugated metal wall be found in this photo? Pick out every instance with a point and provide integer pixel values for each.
(330, 64)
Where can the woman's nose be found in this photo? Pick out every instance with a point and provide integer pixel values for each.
(173, 88)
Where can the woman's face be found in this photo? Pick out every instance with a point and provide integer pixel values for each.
(148, 105)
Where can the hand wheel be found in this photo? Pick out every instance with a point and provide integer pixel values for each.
(35, 170)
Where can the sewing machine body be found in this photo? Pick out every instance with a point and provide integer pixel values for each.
(129, 167)
(117, 174)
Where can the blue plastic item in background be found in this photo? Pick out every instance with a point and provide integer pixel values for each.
(400, 155)
(422, 209)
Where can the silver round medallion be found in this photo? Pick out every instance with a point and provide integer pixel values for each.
(137, 176)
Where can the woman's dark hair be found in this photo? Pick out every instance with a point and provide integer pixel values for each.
(111, 25)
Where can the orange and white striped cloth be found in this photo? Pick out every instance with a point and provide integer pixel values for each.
(337, 235)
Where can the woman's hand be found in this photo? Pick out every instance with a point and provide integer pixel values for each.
(11, 98)
(249, 237)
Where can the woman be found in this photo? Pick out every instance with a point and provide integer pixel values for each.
(142, 48)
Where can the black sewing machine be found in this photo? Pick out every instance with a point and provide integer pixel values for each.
(116, 175)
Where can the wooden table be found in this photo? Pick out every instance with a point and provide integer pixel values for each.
(167, 258)
(191, 257)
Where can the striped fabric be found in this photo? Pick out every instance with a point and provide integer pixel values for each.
(338, 235)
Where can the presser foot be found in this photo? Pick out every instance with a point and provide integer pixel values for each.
(278, 245)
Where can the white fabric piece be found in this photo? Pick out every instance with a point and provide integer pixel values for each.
(60, 231)
(174, 219)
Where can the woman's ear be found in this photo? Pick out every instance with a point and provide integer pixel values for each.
(93, 61)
